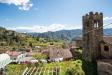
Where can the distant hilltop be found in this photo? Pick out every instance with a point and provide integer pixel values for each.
(10, 37)
(61, 35)
(66, 34)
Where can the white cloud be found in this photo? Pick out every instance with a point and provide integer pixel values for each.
(22, 4)
(107, 21)
(107, 18)
(40, 29)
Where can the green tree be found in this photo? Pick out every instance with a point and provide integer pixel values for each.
(13, 49)
(75, 68)
(30, 44)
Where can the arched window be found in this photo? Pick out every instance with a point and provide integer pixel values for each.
(106, 48)
(96, 25)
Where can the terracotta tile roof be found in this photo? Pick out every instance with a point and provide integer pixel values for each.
(13, 53)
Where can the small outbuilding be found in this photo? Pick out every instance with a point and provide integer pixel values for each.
(60, 55)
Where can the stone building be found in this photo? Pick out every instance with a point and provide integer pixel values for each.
(92, 35)
(106, 47)
(97, 47)
(60, 54)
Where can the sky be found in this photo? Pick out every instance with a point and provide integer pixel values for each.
(50, 15)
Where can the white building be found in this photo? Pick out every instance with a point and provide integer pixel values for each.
(4, 60)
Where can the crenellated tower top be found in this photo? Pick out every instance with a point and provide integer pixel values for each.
(93, 16)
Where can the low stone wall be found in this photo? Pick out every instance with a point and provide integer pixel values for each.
(104, 67)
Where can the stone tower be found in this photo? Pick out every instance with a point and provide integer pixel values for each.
(92, 35)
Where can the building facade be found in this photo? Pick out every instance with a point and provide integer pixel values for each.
(92, 35)
(97, 47)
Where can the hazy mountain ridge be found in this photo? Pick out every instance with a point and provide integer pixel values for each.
(66, 34)
(9, 36)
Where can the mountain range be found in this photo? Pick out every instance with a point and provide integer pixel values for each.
(66, 34)
(11, 37)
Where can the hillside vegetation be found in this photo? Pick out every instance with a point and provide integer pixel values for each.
(9, 38)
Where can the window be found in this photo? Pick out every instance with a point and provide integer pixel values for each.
(96, 25)
(106, 48)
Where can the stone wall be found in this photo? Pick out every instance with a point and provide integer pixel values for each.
(104, 67)
(92, 35)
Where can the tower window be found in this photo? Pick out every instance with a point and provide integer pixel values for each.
(106, 48)
(96, 25)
